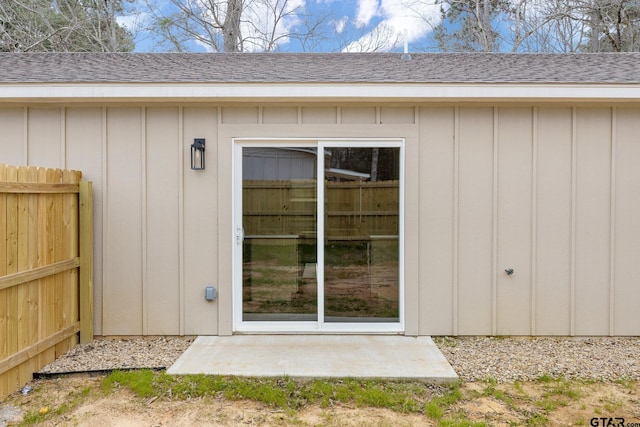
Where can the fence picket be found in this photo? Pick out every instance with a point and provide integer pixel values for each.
(280, 207)
(4, 352)
(32, 262)
(39, 300)
(24, 331)
(13, 375)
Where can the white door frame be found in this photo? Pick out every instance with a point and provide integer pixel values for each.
(319, 326)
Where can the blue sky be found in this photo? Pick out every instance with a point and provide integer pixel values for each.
(353, 25)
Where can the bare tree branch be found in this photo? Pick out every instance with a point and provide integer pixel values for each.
(235, 25)
(63, 25)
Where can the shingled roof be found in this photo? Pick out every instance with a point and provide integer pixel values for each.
(601, 68)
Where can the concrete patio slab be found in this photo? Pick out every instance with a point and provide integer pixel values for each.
(317, 356)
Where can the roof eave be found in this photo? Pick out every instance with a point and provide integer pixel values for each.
(316, 92)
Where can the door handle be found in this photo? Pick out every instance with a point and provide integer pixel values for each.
(239, 234)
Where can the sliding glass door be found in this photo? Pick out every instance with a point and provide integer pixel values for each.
(318, 236)
(279, 218)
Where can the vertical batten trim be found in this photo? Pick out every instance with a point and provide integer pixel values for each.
(25, 136)
(143, 186)
(378, 115)
(612, 220)
(63, 138)
(299, 114)
(494, 227)
(218, 228)
(105, 219)
(416, 121)
(260, 115)
(574, 186)
(534, 215)
(181, 272)
(456, 214)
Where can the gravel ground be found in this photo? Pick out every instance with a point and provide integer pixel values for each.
(121, 353)
(473, 358)
(510, 359)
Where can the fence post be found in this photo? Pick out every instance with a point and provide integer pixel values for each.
(86, 262)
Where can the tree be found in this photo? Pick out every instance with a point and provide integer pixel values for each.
(583, 25)
(545, 26)
(470, 25)
(234, 25)
(379, 39)
(539, 25)
(615, 24)
(63, 26)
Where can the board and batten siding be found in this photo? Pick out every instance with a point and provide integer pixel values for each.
(551, 192)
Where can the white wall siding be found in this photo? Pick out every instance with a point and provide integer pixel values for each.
(437, 194)
(84, 136)
(543, 196)
(593, 196)
(124, 229)
(553, 255)
(476, 295)
(548, 191)
(279, 115)
(358, 115)
(161, 292)
(13, 135)
(514, 221)
(45, 139)
(200, 226)
(314, 115)
(626, 242)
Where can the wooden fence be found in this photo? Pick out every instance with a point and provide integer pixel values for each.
(46, 269)
(353, 209)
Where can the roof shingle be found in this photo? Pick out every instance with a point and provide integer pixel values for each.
(318, 68)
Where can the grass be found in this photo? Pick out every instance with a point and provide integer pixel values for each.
(610, 404)
(538, 420)
(558, 392)
(288, 394)
(626, 382)
(76, 399)
(531, 403)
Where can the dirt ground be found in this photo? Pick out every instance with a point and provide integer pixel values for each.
(75, 400)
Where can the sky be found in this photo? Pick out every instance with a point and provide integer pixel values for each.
(349, 25)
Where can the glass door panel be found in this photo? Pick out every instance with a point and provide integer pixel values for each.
(279, 218)
(361, 230)
(315, 257)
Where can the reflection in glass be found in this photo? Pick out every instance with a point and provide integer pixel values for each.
(361, 250)
(280, 245)
(360, 242)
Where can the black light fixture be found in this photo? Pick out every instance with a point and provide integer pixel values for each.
(197, 154)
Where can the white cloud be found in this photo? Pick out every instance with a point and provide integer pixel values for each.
(129, 22)
(340, 24)
(133, 16)
(266, 21)
(416, 17)
(367, 9)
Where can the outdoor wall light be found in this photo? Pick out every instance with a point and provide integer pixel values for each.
(197, 154)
